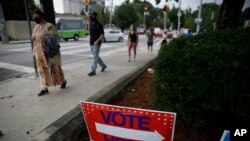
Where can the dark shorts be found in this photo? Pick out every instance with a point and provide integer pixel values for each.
(150, 43)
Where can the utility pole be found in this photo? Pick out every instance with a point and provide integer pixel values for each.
(145, 13)
(111, 11)
(199, 19)
(4, 34)
(212, 18)
(30, 33)
(48, 10)
(179, 17)
(165, 13)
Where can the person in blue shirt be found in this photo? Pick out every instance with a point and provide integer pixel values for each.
(190, 33)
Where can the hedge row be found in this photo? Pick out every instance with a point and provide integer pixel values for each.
(206, 78)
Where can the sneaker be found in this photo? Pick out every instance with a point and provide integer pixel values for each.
(43, 92)
(63, 86)
(103, 69)
(91, 74)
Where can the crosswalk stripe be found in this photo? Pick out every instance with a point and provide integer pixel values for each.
(73, 47)
(17, 67)
(105, 53)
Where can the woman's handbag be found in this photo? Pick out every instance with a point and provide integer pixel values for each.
(51, 45)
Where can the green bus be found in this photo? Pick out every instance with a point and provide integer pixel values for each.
(70, 29)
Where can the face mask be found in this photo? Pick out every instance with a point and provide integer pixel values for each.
(38, 20)
(93, 19)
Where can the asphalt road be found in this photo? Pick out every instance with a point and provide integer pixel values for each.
(16, 59)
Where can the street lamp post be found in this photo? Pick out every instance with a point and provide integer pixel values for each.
(145, 13)
(179, 17)
(30, 33)
(110, 16)
(199, 19)
(144, 20)
(165, 15)
(4, 34)
(212, 18)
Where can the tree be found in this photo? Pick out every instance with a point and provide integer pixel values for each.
(155, 18)
(125, 15)
(189, 18)
(48, 9)
(172, 15)
(207, 9)
(15, 10)
(230, 14)
(207, 21)
(103, 14)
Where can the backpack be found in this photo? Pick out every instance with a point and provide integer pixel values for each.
(51, 45)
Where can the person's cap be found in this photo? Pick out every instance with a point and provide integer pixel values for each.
(93, 14)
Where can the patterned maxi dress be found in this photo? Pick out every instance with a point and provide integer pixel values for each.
(49, 69)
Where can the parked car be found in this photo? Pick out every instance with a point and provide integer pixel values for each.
(113, 35)
(141, 31)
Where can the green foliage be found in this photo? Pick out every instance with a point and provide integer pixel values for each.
(155, 18)
(207, 10)
(125, 15)
(103, 14)
(172, 15)
(189, 20)
(205, 79)
(15, 10)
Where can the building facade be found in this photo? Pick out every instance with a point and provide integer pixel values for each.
(73, 6)
(78, 6)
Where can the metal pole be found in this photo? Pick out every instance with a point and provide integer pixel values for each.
(111, 10)
(212, 18)
(179, 17)
(5, 38)
(199, 17)
(30, 33)
(165, 20)
(144, 20)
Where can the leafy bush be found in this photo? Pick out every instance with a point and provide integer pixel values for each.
(205, 79)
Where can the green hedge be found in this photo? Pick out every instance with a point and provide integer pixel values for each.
(205, 79)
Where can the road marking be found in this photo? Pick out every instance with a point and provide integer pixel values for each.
(128, 133)
(16, 67)
(73, 52)
(72, 47)
(104, 53)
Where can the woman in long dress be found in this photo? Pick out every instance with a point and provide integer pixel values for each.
(49, 68)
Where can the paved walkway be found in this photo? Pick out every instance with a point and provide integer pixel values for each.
(23, 113)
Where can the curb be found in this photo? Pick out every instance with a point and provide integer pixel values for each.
(70, 126)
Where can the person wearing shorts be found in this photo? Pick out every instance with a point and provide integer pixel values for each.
(132, 42)
(150, 39)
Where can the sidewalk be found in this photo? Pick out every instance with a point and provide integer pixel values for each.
(23, 114)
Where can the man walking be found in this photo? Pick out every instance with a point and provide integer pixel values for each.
(96, 36)
(150, 37)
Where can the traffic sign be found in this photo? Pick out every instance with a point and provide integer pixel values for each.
(116, 123)
(198, 20)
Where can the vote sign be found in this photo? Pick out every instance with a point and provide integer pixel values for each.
(116, 123)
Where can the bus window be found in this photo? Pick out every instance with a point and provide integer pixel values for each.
(58, 26)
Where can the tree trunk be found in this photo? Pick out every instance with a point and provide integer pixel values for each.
(48, 9)
(230, 14)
